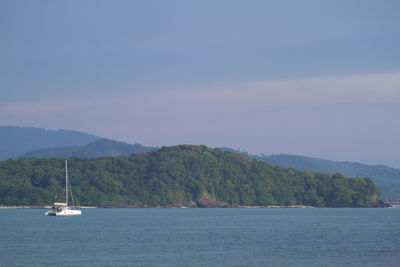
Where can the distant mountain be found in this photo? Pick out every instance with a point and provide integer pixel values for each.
(16, 141)
(41, 143)
(96, 149)
(385, 177)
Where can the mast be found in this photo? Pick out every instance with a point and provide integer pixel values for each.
(66, 182)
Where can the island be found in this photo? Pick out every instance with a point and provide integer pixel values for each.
(179, 176)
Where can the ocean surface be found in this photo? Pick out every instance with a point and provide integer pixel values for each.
(202, 237)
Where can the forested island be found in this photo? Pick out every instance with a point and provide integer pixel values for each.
(185, 175)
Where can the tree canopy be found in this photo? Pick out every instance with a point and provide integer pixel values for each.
(178, 176)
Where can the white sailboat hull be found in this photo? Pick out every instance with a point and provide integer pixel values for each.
(64, 212)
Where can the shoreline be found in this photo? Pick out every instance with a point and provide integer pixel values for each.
(180, 207)
(41, 207)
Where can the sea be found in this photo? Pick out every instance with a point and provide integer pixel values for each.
(202, 237)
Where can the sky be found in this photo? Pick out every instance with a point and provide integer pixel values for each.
(314, 78)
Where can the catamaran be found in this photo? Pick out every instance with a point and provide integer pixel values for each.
(60, 208)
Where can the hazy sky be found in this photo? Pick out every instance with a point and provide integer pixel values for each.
(316, 78)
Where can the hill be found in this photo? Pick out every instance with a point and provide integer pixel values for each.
(99, 148)
(179, 176)
(15, 141)
(385, 177)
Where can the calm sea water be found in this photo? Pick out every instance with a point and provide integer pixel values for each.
(202, 237)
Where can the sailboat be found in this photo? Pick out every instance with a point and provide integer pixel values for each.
(60, 208)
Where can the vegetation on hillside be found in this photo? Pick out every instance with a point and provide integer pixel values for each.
(174, 176)
(385, 177)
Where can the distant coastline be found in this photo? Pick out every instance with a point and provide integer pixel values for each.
(181, 176)
(41, 207)
(192, 207)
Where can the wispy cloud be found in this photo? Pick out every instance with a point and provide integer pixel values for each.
(342, 89)
(361, 88)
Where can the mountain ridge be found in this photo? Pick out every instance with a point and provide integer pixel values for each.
(16, 141)
(99, 148)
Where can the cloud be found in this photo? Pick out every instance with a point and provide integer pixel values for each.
(372, 88)
(361, 88)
